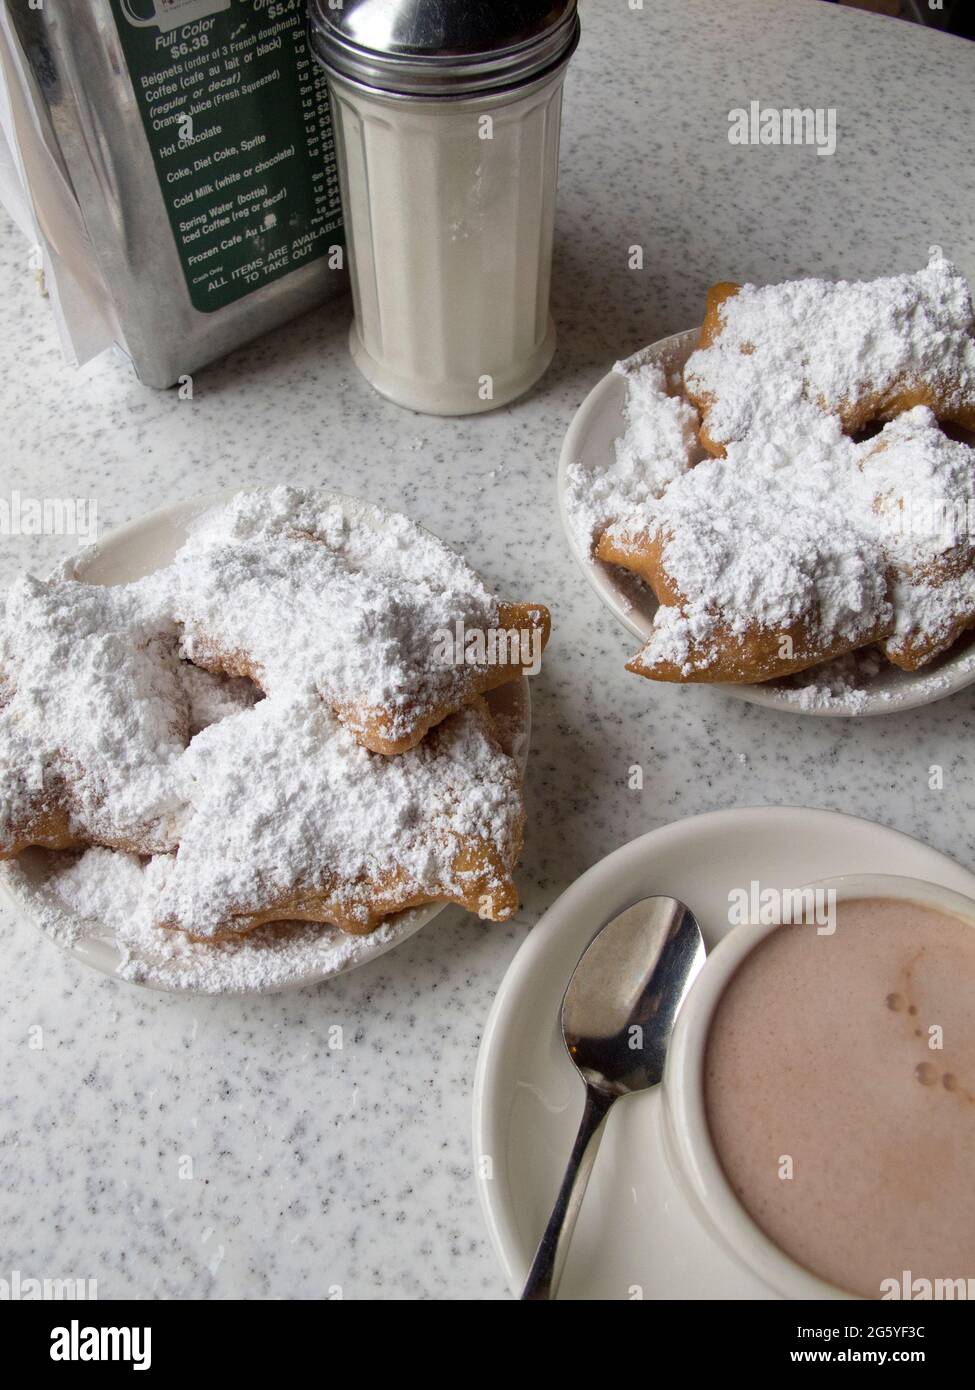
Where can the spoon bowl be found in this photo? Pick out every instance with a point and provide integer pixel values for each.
(621, 1003)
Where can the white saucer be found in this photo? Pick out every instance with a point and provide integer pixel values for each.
(596, 426)
(293, 956)
(636, 1235)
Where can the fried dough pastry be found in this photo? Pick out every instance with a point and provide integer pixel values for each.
(93, 716)
(390, 627)
(757, 566)
(797, 541)
(920, 500)
(249, 809)
(290, 819)
(764, 567)
(864, 351)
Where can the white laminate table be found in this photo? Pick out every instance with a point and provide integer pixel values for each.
(314, 1168)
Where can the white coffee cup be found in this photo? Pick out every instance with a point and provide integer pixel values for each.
(689, 1147)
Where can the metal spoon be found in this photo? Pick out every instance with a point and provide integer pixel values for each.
(617, 1018)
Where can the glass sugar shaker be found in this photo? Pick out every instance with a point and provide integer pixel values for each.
(447, 116)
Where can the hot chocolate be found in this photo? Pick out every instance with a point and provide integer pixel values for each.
(840, 1093)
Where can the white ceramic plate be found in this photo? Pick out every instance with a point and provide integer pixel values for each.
(292, 956)
(598, 423)
(637, 1235)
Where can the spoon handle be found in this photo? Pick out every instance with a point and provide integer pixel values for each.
(546, 1271)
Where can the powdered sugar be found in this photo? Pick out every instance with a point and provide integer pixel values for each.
(267, 798)
(252, 834)
(333, 818)
(213, 697)
(922, 489)
(108, 901)
(94, 715)
(836, 685)
(102, 899)
(813, 529)
(801, 531)
(765, 539)
(366, 603)
(658, 444)
(815, 342)
(862, 681)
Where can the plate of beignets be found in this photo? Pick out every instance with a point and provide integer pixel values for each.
(782, 503)
(252, 741)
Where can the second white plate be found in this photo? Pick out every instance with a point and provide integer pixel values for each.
(637, 1235)
(590, 441)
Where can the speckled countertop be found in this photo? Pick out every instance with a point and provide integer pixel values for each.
(315, 1169)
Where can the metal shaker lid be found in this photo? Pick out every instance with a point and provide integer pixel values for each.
(442, 47)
